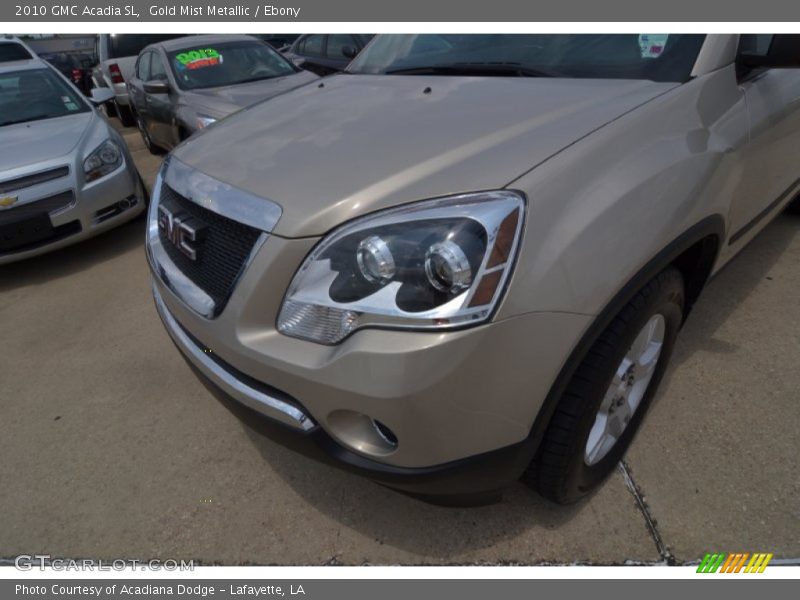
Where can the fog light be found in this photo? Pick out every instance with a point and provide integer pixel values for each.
(362, 433)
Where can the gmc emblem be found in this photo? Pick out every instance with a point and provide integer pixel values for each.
(183, 230)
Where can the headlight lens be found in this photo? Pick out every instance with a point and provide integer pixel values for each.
(104, 159)
(430, 265)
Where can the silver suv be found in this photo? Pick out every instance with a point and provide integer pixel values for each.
(466, 260)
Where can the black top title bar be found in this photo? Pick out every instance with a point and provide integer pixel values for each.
(37, 11)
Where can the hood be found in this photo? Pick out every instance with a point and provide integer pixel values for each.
(40, 141)
(223, 101)
(359, 143)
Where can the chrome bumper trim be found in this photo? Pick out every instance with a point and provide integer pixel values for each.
(256, 399)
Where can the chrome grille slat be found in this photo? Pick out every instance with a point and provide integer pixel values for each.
(19, 183)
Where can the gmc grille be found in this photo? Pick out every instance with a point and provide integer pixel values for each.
(222, 255)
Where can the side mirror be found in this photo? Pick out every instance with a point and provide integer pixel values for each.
(101, 95)
(156, 86)
(784, 53)
(349, 52)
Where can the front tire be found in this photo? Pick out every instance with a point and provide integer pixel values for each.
(606, 400)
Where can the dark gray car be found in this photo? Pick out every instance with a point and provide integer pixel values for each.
(180, 86)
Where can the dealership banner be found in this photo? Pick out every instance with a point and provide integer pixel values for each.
(399, 589)
(131, 11)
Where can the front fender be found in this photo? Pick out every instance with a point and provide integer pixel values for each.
(606, 209)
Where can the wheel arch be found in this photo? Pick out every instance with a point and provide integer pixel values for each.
(693, 253)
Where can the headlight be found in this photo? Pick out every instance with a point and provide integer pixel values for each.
(204, 121)
(430, 265)
(106, 158)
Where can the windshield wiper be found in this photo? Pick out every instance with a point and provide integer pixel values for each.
(477, 69)
(25, 120)
(251, 79)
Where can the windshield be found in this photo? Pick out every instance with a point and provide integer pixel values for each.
(658, 57)
(12, 51)
(226, 64)
(36, 94)
(130, 44)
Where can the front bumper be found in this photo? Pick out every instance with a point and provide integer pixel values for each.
(474, 480)
(461, 403)
(95, 207)
(446, 396)
(404, 402)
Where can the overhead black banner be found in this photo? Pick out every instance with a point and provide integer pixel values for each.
(408, 11)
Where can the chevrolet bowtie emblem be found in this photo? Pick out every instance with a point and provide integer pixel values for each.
(6, 201)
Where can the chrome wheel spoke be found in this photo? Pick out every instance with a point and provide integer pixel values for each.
(610, 397)
(597, 437)
(620, 377)
(623, 414)
(626, 390)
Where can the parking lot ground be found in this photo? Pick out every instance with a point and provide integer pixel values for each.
(111, 448)
(719, 455)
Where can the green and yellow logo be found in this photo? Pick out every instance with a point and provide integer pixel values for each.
(719, 562)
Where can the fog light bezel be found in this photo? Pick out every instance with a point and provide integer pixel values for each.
(362, 433)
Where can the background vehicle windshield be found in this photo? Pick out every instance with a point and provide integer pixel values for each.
(130, 44)
(226, 64)
(36, 94)
(659, 57)
(12, 51)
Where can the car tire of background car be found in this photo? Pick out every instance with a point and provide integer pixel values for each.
(111, 109)
(125, 115)
(148, 143)
(574, 457)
